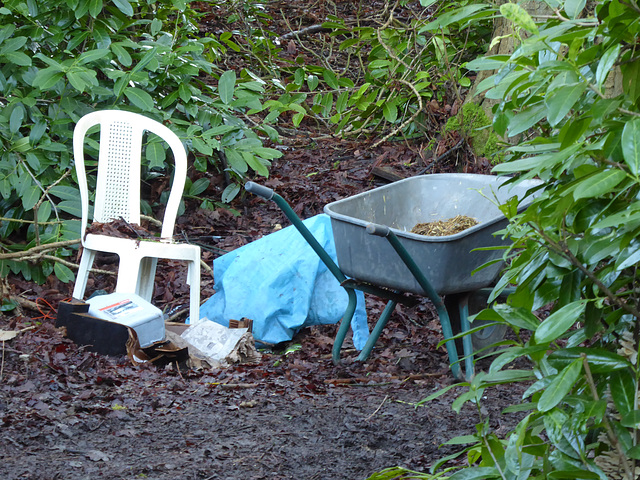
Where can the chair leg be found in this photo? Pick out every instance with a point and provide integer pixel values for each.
(128, 274)
(146, 277)
(194, 291)
(86, 262)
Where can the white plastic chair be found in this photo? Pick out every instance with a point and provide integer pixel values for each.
(118, 196)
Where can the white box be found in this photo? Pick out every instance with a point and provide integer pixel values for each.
(130, 310)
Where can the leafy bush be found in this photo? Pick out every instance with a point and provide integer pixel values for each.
(575, 252)
(61, 60)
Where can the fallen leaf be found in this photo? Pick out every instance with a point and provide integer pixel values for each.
(97, 456)
(8, 335)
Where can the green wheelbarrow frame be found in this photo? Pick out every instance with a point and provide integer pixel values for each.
(393, 297)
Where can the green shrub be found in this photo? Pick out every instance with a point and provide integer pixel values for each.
(61, 60)
(575, 252)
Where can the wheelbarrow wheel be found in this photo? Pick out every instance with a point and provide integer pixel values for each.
(483, 339)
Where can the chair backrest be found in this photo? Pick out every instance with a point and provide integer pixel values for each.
(118, 180)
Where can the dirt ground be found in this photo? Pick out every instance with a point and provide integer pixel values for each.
(68, 413)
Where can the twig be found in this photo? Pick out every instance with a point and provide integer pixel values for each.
(238, 385)
(495, 460)
(39, 248)
(23, 302)
(20, 220)
(377, 409)
(305, 31)
(44, 256)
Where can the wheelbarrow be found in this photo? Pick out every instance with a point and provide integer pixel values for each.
(378, 254)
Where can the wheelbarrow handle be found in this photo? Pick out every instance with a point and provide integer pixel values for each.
(378, 230)
(260, 190)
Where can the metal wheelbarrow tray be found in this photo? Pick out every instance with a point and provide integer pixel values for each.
(447, 261)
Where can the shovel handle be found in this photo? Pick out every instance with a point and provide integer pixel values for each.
(260, 190)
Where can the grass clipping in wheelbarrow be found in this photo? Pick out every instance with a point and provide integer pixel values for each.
(441, 228)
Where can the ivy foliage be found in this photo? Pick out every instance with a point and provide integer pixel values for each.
(61, 60)
(569, 97)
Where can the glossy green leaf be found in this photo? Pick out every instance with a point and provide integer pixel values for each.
(121, 54)
(631, 419)
(156, 154)
(16, 118)
(560, 386)
(634, 452)
(95, 7)
(201, 146)
(518, 15)
(454, 16)
(255, 163)
(184, 92)
(226, 86)
(156, 23)
(573, 8)
(631, 79)
(599, 184)
(146, 60)
(93, 55)
(519, 317)
(47, 78)
(19, 58)
(390, 111)
(526, 119)
(606, 64)
(199, 186)
(44, 211)
(312, 82)
(124, 6)
(631, 145)
(623, 392)
(600, 360)
(30, 197)
(559, 322)
(76, 80)
(64, 273)
(330, 78)
(505, 376)
(341, 102)
(492, 62)
(562, 100)
(230, 192)
(235, 160)
(476, 473)
(12, 44)
(139, 98)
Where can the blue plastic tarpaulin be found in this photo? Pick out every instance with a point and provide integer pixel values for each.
(281, 284)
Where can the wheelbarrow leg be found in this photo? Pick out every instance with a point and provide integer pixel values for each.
(377, 330)
(467, 343)
(383, 231)
(344, 325)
